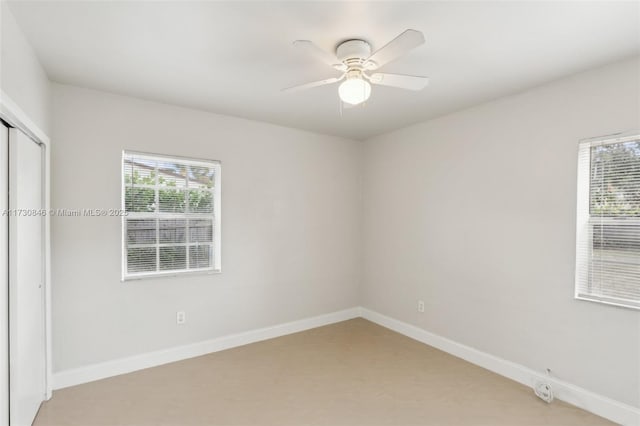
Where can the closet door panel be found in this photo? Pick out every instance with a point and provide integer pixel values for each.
(27, 356)
(4, 275)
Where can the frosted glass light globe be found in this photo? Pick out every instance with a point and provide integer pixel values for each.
(354, 91)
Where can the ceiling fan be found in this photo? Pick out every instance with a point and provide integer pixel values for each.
(354, 59)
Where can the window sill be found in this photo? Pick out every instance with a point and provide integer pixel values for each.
(169, 274)
(621, 303)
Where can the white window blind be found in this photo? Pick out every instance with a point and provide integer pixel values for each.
(608, 222)
(172, 222)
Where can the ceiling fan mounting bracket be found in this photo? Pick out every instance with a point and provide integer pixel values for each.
(353, 51)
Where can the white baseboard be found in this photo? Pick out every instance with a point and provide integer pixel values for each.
(116, 367)
(597, 404)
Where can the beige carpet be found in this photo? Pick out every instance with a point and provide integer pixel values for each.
(351, 373)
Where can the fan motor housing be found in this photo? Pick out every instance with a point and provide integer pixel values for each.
(353, 52)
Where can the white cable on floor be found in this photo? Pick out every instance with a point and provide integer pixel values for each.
(544, 392)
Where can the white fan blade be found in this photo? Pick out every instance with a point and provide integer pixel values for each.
(312, 84)
(394, 49)
(322, 55)
(410, 82)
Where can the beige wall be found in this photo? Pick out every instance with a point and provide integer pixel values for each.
(21, 76)
(475, 214)
(290, 227)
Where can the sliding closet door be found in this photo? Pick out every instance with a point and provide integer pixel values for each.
(4, 275)
(27, 356)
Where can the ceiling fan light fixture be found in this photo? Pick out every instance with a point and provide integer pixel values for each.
(354, 90)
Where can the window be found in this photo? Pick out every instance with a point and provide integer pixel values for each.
(172, 222)
(608, 225)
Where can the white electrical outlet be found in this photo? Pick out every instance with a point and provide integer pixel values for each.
(181, 317)
(420, 306)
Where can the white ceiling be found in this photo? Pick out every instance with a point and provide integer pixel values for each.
(234, 57)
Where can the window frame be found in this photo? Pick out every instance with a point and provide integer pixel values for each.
(584, 218)
(216, 242)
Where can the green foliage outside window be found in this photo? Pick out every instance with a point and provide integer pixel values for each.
(615, 180)
(170, 198)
